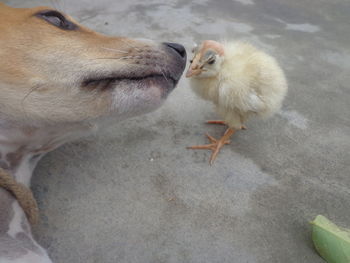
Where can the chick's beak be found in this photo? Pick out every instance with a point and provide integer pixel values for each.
(194, 68)
(193, 72)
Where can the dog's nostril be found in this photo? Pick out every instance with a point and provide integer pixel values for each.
(178, 48)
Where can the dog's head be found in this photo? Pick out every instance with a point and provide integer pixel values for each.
(53, 69)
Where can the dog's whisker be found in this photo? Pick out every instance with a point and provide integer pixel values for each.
(81, 20)
(53, 4)
(60, 5)
(118, 50)
(64, 6)
(56, 4)
(136, 48)
(120, 58)
(161, 70)
(164, 76)
(34, 88)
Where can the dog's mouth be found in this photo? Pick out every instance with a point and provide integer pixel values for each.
(150, 69)
(164, 81)
(104, 83)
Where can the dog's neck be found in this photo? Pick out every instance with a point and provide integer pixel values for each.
(21, 147)
(20, 150)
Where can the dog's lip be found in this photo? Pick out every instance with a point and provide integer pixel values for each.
(106, 82)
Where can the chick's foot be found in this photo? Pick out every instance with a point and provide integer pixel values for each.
(215, 145)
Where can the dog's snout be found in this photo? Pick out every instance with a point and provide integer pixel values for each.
(179, 49)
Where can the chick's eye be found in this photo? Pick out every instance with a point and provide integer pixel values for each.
(57, 19)
(210, 62)
(191, 61)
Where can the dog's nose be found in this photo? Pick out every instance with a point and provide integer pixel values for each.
(178, 48)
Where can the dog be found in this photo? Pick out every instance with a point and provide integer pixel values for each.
(60, 81)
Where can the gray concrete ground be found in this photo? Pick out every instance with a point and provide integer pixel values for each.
(135, 194)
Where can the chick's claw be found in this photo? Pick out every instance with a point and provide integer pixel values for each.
(212, 139)
(211, 146)
(215, 144)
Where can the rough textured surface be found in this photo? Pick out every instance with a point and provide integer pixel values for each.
(135, 194)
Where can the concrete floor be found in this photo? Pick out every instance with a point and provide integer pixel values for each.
(135, 194)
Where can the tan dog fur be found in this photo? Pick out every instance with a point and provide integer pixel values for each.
(57, 85)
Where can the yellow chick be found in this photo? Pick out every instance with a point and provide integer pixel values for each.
(240, 80)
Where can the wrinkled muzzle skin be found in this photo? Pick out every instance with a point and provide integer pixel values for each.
(54, 75)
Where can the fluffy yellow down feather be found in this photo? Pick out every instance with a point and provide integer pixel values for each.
(249, 82)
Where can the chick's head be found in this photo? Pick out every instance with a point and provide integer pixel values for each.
(207, 60)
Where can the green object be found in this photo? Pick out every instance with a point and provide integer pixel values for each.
(331, 242)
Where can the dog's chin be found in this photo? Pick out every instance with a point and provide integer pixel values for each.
(134, 97)
(161, 83)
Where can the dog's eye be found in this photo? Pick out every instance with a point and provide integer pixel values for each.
(57, 19)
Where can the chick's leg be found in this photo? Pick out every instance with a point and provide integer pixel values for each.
(215, 144)
(222, 123)
(216, 122)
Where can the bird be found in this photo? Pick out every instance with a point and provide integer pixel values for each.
(240, 80)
